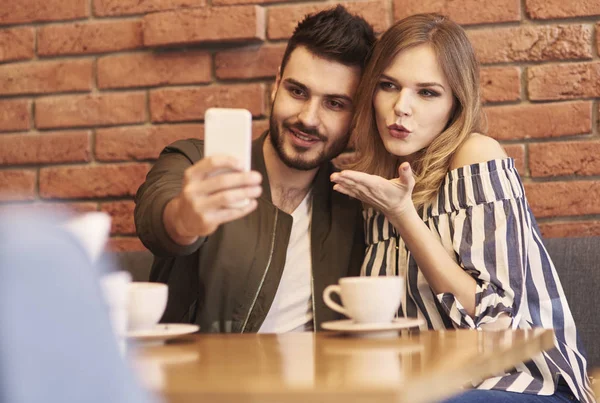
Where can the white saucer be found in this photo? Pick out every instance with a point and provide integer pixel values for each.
(162, 332)
(372, 329)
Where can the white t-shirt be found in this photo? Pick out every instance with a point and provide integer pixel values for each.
(291, 310)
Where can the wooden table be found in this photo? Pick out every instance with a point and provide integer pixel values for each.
(325, 367)
(595, 378)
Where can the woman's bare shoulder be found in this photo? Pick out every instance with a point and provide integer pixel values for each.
(478, 148)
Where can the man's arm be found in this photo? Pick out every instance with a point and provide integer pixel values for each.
(183, 201)
(163, 183)
(173, 224)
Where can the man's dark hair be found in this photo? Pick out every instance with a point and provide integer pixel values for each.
(333, 34)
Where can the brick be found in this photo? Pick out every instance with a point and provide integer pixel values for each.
(462, 11)
(500, 84)
(127, 7)
(283, 20)
(17, 44)
(238, 2)
(122, 216)
(525, 121)
(91, 181)
(90, 110)
(70, 207)
(259, 127)
(181, 104)
(122, 244)
(141, 142)
(532, 43)
(23, 11)
(572, 229)
(563, 81)
(218, 24)
(45, 148)
(14, 114)
(45, 77)
(598, 37)
(565, 158)
(562, 199)
(516, 152)
(262, 62)
(17, 185)
(546, 9)
(150, 69)
(89, 37)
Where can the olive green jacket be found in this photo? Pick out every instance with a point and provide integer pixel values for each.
(226, 282)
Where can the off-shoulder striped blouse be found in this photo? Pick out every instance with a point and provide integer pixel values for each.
(483, 220)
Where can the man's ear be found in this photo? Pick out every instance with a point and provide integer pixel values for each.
(276, 85)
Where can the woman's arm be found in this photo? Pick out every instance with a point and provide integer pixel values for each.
(442, 273)
(392, 198)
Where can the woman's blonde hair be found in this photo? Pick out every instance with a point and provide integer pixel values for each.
(457, 60)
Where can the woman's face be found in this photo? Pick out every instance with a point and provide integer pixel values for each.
(413, 101)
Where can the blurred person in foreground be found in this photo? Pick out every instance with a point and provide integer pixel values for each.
(56, 340)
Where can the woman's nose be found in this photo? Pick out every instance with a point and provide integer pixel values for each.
(402, 106)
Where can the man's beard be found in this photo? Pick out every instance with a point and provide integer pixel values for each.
(298, 162)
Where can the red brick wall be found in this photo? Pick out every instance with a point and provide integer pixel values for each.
(91, 90)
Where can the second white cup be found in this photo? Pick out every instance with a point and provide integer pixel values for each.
(146, 304)
(367, 299)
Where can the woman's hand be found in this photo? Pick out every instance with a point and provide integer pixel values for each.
(392, 197)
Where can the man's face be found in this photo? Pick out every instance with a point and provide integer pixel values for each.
(312, 109)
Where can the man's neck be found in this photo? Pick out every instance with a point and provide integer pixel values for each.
(289, 186)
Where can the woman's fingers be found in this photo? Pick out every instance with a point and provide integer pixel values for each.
(342, 189)
(405, 174)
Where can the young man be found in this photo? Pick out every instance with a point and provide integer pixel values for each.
(263, 267)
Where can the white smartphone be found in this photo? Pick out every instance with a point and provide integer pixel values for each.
(228, 131)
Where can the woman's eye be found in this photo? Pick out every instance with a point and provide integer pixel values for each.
(429, 93)
(386, 85)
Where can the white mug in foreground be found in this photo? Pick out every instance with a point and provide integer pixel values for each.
(367, 299)
(146, 305)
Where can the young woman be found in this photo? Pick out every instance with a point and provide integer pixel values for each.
(445, 208)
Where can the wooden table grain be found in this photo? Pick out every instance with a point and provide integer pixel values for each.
(326, 367)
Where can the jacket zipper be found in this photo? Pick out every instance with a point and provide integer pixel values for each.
(312, 289)
(262, 280)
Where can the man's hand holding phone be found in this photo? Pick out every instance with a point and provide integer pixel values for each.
(219, 188)
(208, 200)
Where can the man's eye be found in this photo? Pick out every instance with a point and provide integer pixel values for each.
(336, 104)
(297, 92)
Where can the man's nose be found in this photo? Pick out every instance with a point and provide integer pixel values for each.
(309, 115)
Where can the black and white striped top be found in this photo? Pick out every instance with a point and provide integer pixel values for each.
(483, 220)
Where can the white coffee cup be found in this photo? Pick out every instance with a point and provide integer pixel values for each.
(146, 304)
(367, 299)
